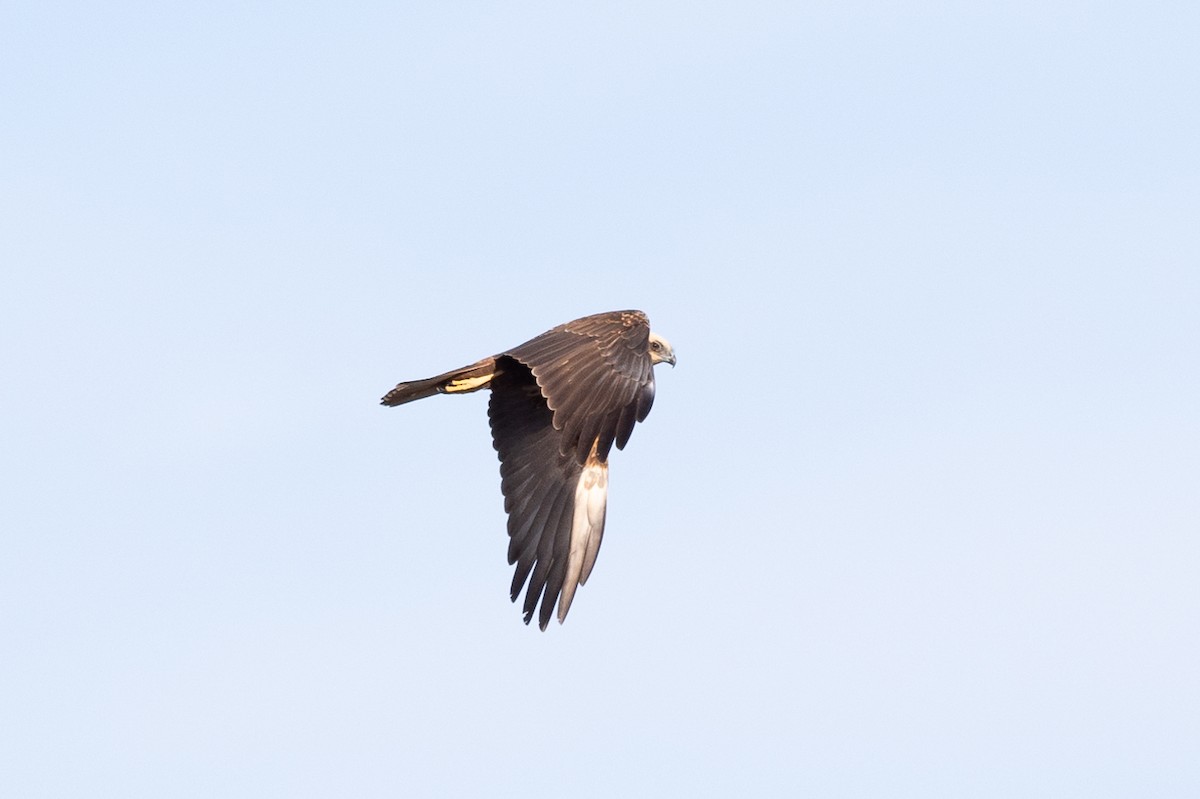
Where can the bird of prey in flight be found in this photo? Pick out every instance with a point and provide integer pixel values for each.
(558, 404)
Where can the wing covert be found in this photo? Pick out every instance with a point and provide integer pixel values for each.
(592, 371)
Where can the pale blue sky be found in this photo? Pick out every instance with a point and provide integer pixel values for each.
(917, 514)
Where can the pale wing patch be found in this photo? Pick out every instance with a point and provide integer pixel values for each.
(587, 528)
(467, 384)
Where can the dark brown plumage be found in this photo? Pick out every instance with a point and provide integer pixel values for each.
(559, 402)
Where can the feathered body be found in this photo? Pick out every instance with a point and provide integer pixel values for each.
(558, 404)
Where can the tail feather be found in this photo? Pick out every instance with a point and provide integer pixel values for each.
(460, 381)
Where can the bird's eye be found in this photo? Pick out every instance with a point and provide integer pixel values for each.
(654, 345)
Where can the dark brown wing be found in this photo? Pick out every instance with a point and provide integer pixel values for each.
(538, 482)
(596, 376)
(581, 385)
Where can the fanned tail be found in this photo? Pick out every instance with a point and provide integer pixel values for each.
(460, 381)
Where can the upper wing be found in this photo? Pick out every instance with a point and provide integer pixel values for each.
(558, 404)
(596, 376)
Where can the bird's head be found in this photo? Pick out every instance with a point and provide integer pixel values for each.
(660, 350)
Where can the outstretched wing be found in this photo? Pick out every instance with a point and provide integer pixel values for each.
(558, 404)
(538, 482)
(596, 376)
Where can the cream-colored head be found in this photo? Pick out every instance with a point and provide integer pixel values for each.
(660, 350)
